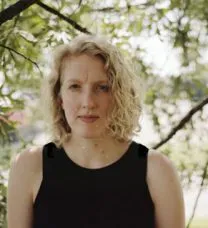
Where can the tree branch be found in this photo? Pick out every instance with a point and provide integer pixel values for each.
(67, 19)
(20, 54)
(15, 9)
(199, 193)
(183, 121)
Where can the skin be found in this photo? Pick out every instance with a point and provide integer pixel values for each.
(80, 98)
(85, 90)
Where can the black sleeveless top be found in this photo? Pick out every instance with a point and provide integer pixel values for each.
(114, 196)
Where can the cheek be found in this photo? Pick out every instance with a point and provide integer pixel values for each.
(70, 107)
(107, 105)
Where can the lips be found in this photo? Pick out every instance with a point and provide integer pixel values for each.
(89, 118)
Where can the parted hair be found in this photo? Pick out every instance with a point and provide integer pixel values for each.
(126, 87)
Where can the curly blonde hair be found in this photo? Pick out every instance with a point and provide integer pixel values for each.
(125, 84)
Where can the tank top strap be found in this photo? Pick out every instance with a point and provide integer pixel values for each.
(140, 159)
(48, 157)
(142, 151)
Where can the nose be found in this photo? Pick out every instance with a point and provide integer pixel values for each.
(89, 100)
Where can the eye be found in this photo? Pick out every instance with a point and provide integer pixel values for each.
(74, 86)
(104, 88)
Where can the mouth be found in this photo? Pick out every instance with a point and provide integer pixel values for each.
(88, 116)
(88, 119)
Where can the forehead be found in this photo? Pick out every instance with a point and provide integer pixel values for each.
(83, 67)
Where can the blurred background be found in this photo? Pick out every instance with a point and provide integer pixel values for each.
(168, 42)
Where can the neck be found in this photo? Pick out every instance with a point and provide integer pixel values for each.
(97, 150)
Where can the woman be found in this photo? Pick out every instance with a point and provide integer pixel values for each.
(93, 174)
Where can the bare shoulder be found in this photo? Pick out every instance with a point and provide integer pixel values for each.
(159, 163)
(166, 191)
(24, 169)
(27, 160)
(160, 172)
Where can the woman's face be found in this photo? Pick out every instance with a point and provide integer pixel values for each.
(85, 95)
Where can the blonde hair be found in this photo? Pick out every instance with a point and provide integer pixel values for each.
(125, 85)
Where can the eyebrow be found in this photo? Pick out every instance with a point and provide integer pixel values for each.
(76, 80)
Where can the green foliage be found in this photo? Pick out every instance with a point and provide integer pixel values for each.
(2, 202)
(26, 39)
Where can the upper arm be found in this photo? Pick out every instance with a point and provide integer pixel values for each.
(19, 193)
(165, 189)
